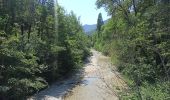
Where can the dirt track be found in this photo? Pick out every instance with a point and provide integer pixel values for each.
(99, 82)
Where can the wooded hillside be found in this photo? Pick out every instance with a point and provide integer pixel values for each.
(39, 43)
(137, 37)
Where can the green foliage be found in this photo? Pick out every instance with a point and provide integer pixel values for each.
(138, 43)
(99, 22)
(39, 43)
(158, 91)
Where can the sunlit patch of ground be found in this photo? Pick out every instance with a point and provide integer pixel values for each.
(100, 81)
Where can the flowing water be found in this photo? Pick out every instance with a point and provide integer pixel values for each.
(99, 82)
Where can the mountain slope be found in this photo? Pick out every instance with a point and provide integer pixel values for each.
(88, 29)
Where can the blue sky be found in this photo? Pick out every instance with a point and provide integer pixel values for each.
(86, 9)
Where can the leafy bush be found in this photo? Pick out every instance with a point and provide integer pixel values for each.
(137, 39)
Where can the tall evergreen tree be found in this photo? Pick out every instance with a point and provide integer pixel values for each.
(99, 22)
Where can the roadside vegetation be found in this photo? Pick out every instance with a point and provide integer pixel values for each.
(39, 43)
(137, 37)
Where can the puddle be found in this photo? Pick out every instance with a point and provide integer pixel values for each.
(88, 80)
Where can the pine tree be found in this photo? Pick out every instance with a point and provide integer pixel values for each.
(99, 23)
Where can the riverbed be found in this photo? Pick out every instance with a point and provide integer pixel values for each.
(98, 81)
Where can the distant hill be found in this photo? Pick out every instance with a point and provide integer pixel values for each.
(88, 29)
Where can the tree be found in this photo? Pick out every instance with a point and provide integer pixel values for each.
(39, 43)
(137, 39)
(99, 23)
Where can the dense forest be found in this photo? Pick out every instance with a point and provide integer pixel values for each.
(39, 43)
(137, 37)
